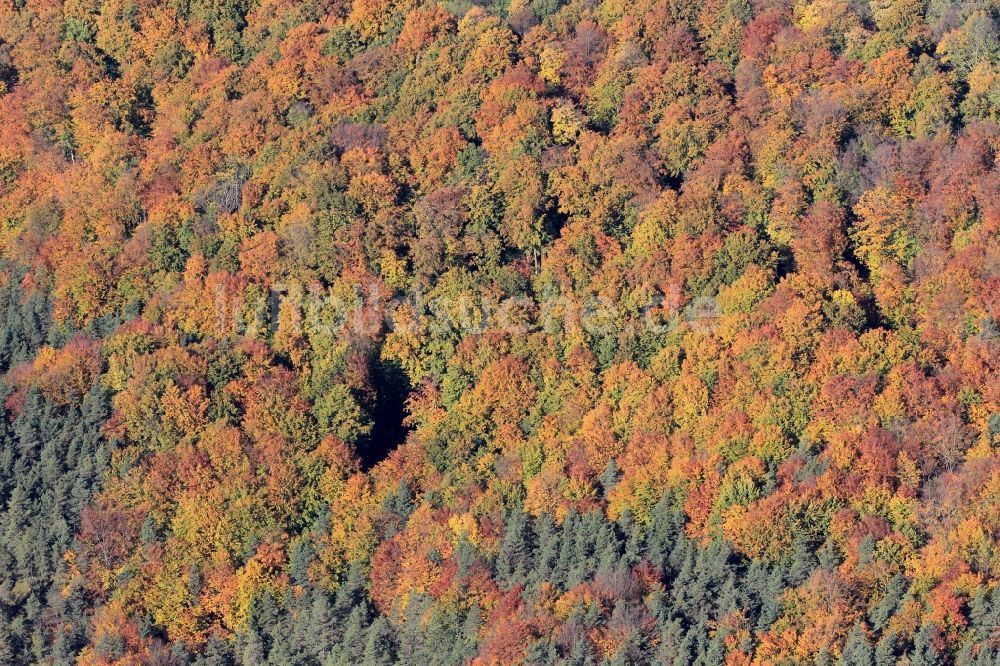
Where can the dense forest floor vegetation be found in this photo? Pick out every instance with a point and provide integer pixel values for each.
(542, 331)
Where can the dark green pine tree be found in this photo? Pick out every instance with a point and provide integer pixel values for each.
(590, 536)
(924, 653)
(350, 594)
(351, 649)
(635, 539)
(987, 656)
(468, 644)
(253, 643)
(885, 650)
(770, 611)
(542, 652)
(883, 611)
(984, 611)
(217, 652)
(664, 533)
(857, 648)
(672, 648)
(318, 627)
(515, 560)
(380, 648)
(300, 557)
(567, 554)
(802, 561)
(609, 477)
(581, 653)
(549, 546)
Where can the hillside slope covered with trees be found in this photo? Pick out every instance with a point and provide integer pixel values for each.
(542, 331)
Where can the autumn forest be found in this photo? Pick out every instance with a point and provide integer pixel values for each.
(489, 332)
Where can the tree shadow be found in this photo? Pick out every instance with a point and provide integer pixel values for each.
(388, 412)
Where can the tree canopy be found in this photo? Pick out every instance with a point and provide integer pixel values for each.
(499, 332)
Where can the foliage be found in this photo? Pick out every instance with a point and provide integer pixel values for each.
(535, 331)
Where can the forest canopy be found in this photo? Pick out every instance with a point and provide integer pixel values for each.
(537, 332)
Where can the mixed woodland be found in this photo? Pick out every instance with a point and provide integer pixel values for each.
(586, 332)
